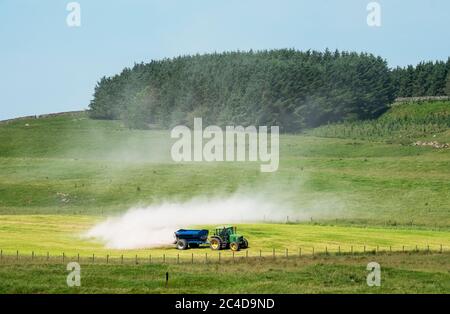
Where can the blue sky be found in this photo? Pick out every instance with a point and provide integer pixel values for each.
(46, 66)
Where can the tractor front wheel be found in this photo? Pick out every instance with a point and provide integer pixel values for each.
(234, 246)
(182, 244)
(215, 244)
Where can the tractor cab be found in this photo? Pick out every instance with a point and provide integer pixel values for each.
(226, 237)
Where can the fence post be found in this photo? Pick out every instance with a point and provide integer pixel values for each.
(93, 258)
(121, 257)
(32, 255)
(107, 258)
(150, 258)
(313, 251)
(428, 249)
(1, 254)
(17, 255)
(299, 251)
(351, 249)
(178, 258)
(403, 249)
(390, 248)
(377, 249)
(164, 258)
(417, 250)
(78, 257)
(440, 251)
(273, 253)
(233, 256)
(260, 254)
(135, 260)
(339, 249)
(192, 258)
(63, 257)
(246, 255)
(326, 250)
(287, 253)
(364, 249)
(219, 257)
(206, 258)
(48, 256)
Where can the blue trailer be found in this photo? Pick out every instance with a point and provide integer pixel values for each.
(190, 238)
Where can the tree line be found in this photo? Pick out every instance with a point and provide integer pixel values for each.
(289, 88)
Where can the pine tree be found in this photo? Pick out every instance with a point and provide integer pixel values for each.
(447, 85)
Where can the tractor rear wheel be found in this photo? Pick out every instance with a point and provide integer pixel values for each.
(215, 244)
(245, 244)
(234, 246)
(182, 244)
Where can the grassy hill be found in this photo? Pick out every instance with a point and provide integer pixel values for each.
(353, 186)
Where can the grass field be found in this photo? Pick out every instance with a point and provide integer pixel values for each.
(400, 273)
(61, 175)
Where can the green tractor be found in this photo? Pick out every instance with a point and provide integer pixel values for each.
(226, 237)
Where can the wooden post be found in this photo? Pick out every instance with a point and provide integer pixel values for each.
(326, 250)
(351, 249)
(428, 248)
(150, 258)
(339, 249)
(192, 258)
(107, 258)
(164, 258)
(390, 248)
(78, 257)
(313, 251)
(440, 251)
(178, 258)
(273, 253)
(299, 251)
(1, 254)
(121, 257)
(287, 253)
(48, 256)
(135, 260)
(246, 255)
(93, 258)
(32, 255)
(17, 255)
(167, 278)
(403, 249)
(364, 249)
(63, 256)
(417, 250)
(206, 258)
(233, 256)
(377, 249)
(260, 254)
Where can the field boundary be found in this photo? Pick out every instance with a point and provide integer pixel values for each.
(8, 258)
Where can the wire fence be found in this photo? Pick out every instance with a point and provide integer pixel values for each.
(209, 256)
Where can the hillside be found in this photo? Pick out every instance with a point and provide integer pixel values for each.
(76, 165)
(404, 123)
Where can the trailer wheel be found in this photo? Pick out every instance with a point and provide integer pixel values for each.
(215, 244)
(182, 244)
(234, 246)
